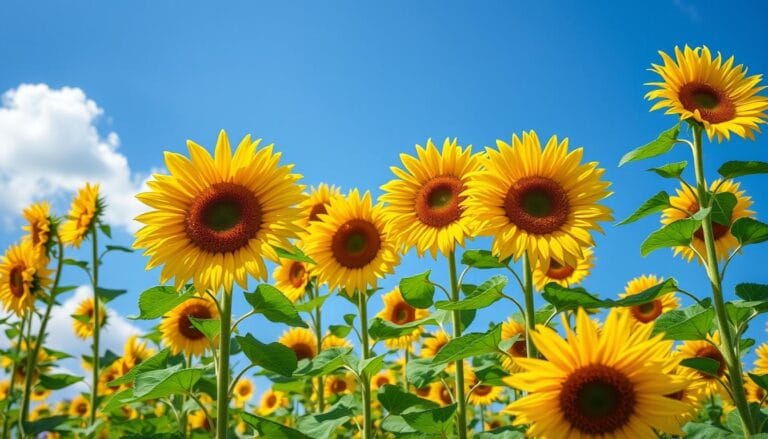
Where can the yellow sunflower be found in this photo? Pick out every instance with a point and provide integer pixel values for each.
(291, 278)
(82, 319)
(565, 275)
(648, 312)
(40, 394)
(243, 391)
(79, 407)
(350, 244)
(693, 394)
(424, 201)
(42, 364)
(543, 202)
(40, 412)
(317, 202)
(399, 312)
(83, 215)
(711, 91)
(272, 400)
(494, 421)
(214, 219)
(301, 341)
(197, 418)
(479, 393)
(707, 349)
(331, 341)
(509, 329)
(135, 352)
(440, 393)
(606, 384)
(340, 384)
(5, 389)
(39, 224)
(381, 379)
(110, 373)
(424, 392)
(761, 362)
(23, 276)
(433, 344)
(177, 330)
(685, 204)
(755, 393)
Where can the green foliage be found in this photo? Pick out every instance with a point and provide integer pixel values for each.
(566, 299)
(678, 233)
(294, 253)
(323, 425)
(752, 292)
(422, 371)
(155, 362)
(107, 295)
(383, 329)
(325, 362)
(271, 429)
(749, 231)
(437, 420)
(485, 295)
(270, 302)
(470, 345)
(58, 381)
(418, 290)
(157, 301)
(209, 327)
(273, 357)
(395, 400)
(165, 382)
(737, 168)
(660, 145)
(704, 365)
(311, 305)
(693, 323)
(45, 424)
(482, 259)
(656, 203)
(671, 170)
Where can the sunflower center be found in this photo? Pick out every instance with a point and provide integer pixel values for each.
(597, 399)
(423, 391)
(297, 274)
(403, 313)
(317, 210)
(445, 396)
(271, 400)
(719, 230)
(16, 280)
(382, 380)
(186, 328)
(82, 409)
(244, 390)
(713, 105)
(438, 202)
(302, 351)
(338, 386)
(356, 243)
(223, 218)
(647, 312)
(559, 271)
(482, 390)
(712, 353)
(35, 232)
(537, 205)
(518, 348)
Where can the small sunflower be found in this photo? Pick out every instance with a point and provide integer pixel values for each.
(291, 278)
(177, 330)
(494, 421)
(40, 394)
(479, 393)
(135, 352)
(433, 344)
(399, 312)
(110, 373)
(350, 244)
(83, 215)
(301, 341)
(23, 276)
(598, 384)
(331, 341)
(509, 329)
(711, 91)
(693, 394)
(424, 202)
(685, 204)
(42, 364)
(539, 201)
(761, 362)
(565, 275)
(381, 379)
(755, 393)
(272, 400)
(440, 393)
(5, 389)
(317, 202)
(39, 225)
(197, 418)
(340, 384)
(214, 219)
(243, 391)
(707, 349)
(648, 312)
(82, 319)
(79, 407)
(424, 392)
(40, 412)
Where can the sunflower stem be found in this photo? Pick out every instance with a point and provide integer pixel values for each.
(530, 311)
(222, 389)
(96, 325)
(315, 292)
(461, 403)
(6, 417)
(362, 305)
(713, 272)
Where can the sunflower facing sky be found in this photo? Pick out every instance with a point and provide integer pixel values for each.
(565, 275)
(301, 341)
(82, 318)
(424, 202)
(291, 278)
(215, 218)
(177, 330)
(648, 312)
(23, 276)
(711, 91)
(542, 201)
(84, 213)
(398, 311)
(243, 391)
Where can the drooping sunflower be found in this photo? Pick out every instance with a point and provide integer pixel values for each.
(509, 329)
(23, 277)
(272, 400)
(177, 330)
(381, 379)
(605, 383)
(84, 213)
(82, 319)
(243, 391)
(38, 228)
(433, 344)
(317, 202)
(350, 245)
(761, 360)
(648, 312)
(565, 275)
(337, 384)
(479, 393)
(540, 201)
(711, 91)
(399, 312)
(685, 204)
(301, 341)
(79, 407)
(291, 278)
(708, 349)
(332, 341)
(214, 219)
(424, 202)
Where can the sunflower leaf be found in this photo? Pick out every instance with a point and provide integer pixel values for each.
(340, 330)
(311, 305)
(118, 248)
(678, 233)
(469, 345)
(760, 380)
(395, 400)
(682, 325)
(749, 231)
(752, 292)
(564, 299)
(155, 362)
(704, 365)
(271, 429)
(482, 259)
(161, 383)
(209, 327)
(294, 254)
(370, 366)
(656, 203)
(107, 295)
(671, 170)
(483, 296)
(43, 425)
(722, 205)
(422, 371)
(325, 362)
(418, 290)
(323, 425)
(58, 381)
(270, 302)
(157, 301)
(660, 145)
(737, 168)
(381, 329)
(437, 420)
(273, 357)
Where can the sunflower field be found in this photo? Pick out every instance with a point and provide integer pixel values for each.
(233, 223)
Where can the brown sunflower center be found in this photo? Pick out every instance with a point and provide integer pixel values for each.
(482, 390)
(244, 390)
(712, 353)
(356, 243)
(271, 400)
(719, 230)
(494, 424)
(438, 202)
(423, 391)
(713, 105)
(597, 399)
(537, 205)
(317, 210)
(223, 218)
(403, 313)
(297, 274)
(647, 312)
(518, 348)
(16, 280)
(559, 271)
(445, 396)
(382, 380)
(36, 232)
(185, 326)
(302, 351)
(338, 386)
(81, 408)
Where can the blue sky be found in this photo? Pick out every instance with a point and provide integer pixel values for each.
(342, 88)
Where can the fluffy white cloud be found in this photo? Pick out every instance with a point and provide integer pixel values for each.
(50, 146)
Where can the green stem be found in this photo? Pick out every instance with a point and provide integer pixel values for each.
(28, 372)
(96, 326)
(405, 368)
(530, 311)
(461, 402)
(12, 382)
(732, 357)
(362, 305)
(319, 335)
(222, 391)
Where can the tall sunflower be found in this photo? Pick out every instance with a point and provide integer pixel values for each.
(708, 349)
(38, 228)
(398, 311)
(685, 204)
(272, 400)
(317, 202)
(82, 318)
(84, 213)
(350, 245)
(291, 278)
(540, 201)
(337, 385)
(23, 277)
(509, 329)
(711, 91)
(135, 352)
(605, 383)
(214, 219)
(648, 312)
(424, 202)
(301, 341)
(563, 274)
(177, 330)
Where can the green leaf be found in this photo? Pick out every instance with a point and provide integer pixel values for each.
(209, 327)
(106, 229)
(370, 366)
(482, 259)
(564, 299)
(470, 345)
(704, 365)
(722, 208)
(444, 317)
(32, 429)
(418, 290)
(383, 329)
(63, 289)
(271, 429)
(157, 301)
(349, 319)
(323, 425)
(325, 362)
(656, 203)
(737, 168)
(752, 292)
(422, 371)
(484, 295)
(119, 248)
(740, 312)
(749, 231)
(270, 302)
(396, 400)
(155, 362)
(117, 400)
(294, 254)
(273, 357)
(397, 424)
(671, 170)
(310, 306)
(506, 432)
(760, 380)
(58, 381)
(438, 420)
(76, 263)
(678, 233)
(162, 383)
(107, 295)
(700, 430)
(340, 330)
(679, 325)
(661, 145)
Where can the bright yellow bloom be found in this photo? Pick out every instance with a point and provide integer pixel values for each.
(439, 393)
(215, 219)
(755, 393)
(177, 330)
(243, 391)
(317, 202)
(82, 319)
(399, 312)
(707, 349)
(84, 213)
(433, 344)
(301, 341)
(519, 349)
(710, 91)
(80, 407)
(117, 369)
(479, 393)
(40, 394)
(272, 400)
(38, 227)
(23, 276)
(291, 278)
(135, 352)
(565, 275)
(197, 418)
(381, 379)
(337, 385)
(761, 362)
(647, 312)
(5, 389)
(331, 341)
(40, 412)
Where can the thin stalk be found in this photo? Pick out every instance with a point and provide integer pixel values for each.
(319, 335)
(362, 305)
(11, 386)
(530, 311)
(96, 326)
(461, 403)
(222, 389)
(405, 368)
(713, 272)
(28, 370)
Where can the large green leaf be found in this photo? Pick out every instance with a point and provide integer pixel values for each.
(209, 327)
(418, 290)
(422, 371)
(383, 329)
(325, 362)
(273, 357)
(752, 292)
(482, 259)
(271, 429)
(736, 168)
(470, 345)
(682, 325)
(565, 299)
(155, 362)
(484, 295)
(107, 295)
(32, 429)
(162, 383)
(323, 425)
(293, 253)
(157, 301)
(749, 231)
(704, 365)
(722, 208)
(58, 381)
(678, 233)
(671, 170)
(310, 306)
(660, 145)
(395, 400)
(270, 302)
(437, 420)
(656, 203)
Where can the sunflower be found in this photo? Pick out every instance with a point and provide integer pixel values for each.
(23, 276)
(648, 312)
(40, 412)
(707, 349)
(331, 341)
(177, 330)
(424, 201)
(693, 394)
(110, 373)
(479, 393)
(563, 274)
(424, 391)
(214, 219)
(607, 384)
(197, 418)
(350, 244)
(509, 329)
(494, 421)
(440, 393)
(135, 352)
(39, 225)
(755, 393)
(685, 204)
(381, 379)
(715, 93)
(291, 278)
(83, 215)
(761, 362)
(5, 389)
(42, 364)
(82, 319)
(433, 344)
(317, 202)
(398, 311)
(340, 384)
(40, 394)
(542, 202)
(301, 341)
(243, 391)
(272, 400)
(79, 407)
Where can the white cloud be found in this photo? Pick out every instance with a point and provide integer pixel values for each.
(50, 146)
(689, 9)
